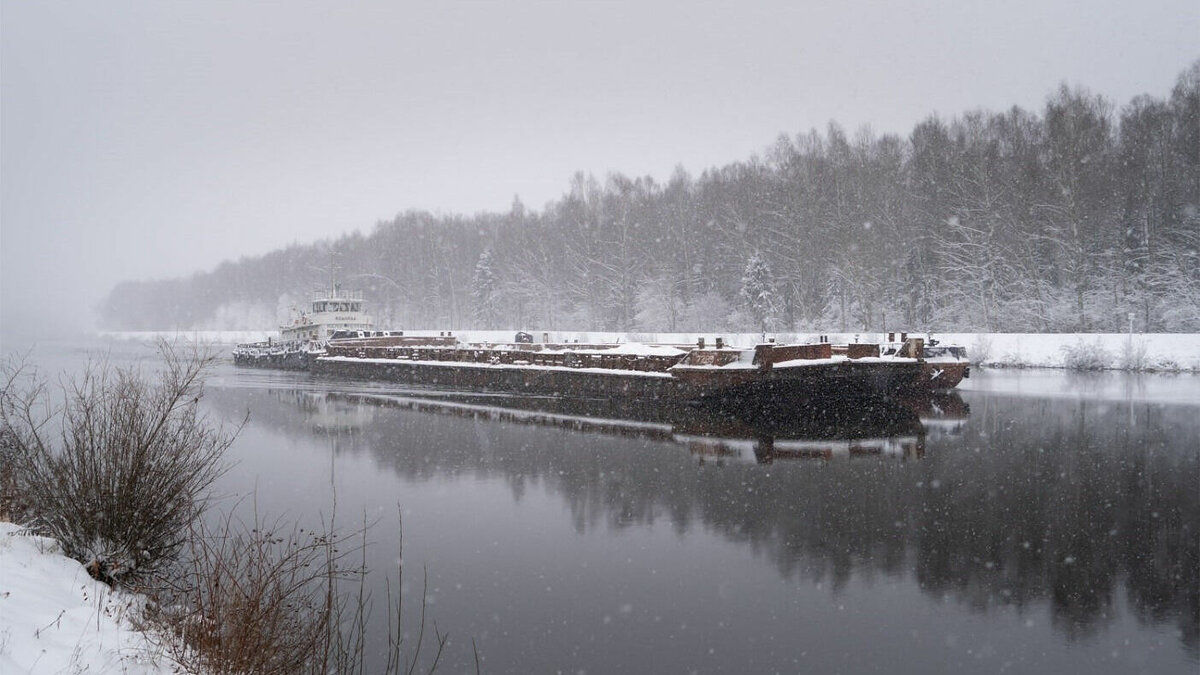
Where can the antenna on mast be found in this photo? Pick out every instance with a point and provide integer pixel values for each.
(333, 267)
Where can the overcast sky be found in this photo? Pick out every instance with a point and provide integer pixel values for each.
(155, 139)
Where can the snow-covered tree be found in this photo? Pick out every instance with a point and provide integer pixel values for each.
(708, 311)
(484, 287)
(659, 305)
(758, 292)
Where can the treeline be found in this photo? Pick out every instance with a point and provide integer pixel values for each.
(1067, 220)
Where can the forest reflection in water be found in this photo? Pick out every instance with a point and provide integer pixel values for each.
(1086, 509)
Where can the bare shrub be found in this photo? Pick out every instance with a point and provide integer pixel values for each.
(12, 507)
(1085, 356)
(115, 467)
(981, 349)
(266, 598)
(1133, 355)
(253, 600)
(1167, 364)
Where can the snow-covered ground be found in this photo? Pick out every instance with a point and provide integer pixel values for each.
(1139, 351)
(54, 618)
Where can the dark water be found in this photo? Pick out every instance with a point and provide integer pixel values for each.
(1053, 528)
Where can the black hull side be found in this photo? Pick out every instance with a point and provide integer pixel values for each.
(775, 392)
(286, 361)
(566, 383)
(770, 394)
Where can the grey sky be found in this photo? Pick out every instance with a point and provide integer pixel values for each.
(155, 139)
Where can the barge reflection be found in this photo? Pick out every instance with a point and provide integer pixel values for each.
(885, 427)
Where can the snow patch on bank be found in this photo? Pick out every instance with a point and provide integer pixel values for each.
(1120, 351)
(54, 618)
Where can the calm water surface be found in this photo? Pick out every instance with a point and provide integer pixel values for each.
(1055, 527)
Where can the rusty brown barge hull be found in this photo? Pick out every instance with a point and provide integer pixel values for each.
(776, 377)
(500, 378)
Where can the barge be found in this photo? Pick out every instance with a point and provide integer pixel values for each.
(769, 378)
(334, 337)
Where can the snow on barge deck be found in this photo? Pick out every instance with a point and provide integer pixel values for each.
(765, 376)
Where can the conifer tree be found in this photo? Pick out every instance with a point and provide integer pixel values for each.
(758, 291)
(483, 289)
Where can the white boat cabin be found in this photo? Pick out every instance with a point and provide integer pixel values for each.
(330, 310)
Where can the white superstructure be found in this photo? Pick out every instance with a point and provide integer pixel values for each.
(330, 310)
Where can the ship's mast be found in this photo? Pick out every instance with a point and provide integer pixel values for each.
(333, 269)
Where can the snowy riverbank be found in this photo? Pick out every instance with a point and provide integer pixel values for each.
(54, 618)
(1117, 351)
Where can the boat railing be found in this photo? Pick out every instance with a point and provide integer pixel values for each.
(336, 294)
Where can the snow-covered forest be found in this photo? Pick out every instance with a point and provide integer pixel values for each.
(1065, 219)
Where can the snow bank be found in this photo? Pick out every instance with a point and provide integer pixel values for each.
(1140, 351)
(54, 618)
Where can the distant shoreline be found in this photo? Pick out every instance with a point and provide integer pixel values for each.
(1139, 352)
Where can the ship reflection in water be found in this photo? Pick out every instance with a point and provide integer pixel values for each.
(823, 430)
(327, 414)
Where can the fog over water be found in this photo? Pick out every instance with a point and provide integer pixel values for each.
(144, 140)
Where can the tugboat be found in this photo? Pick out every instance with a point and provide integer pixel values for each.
(332, 312)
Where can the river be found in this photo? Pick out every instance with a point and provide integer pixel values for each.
(1035, 521)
